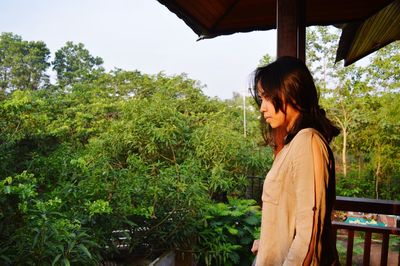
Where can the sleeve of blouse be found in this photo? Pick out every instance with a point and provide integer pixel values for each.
(303, 163)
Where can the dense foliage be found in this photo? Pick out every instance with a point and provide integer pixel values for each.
(100, 165)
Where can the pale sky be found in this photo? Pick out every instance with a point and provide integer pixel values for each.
(140, 35)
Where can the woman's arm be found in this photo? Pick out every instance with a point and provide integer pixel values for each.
(309, 169)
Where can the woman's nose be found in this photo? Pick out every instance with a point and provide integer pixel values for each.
(263, 107)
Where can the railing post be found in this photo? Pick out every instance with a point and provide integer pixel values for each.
(385, 249)
(367, 248)
(350, 241)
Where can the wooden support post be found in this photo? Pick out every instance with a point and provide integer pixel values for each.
(291, 30)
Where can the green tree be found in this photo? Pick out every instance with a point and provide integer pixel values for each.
(73, 63)
(23, 64)
(384, 68)
(347, 105)
(382, 74)
(266, 59)
(321, 46)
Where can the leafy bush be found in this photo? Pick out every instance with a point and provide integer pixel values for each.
(228, 232)
(355, 185)
(37, 231)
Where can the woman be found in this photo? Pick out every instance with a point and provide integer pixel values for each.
(299, 190)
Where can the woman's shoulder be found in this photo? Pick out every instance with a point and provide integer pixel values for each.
(307, 133)
(305, 137)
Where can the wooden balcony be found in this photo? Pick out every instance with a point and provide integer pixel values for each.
(361, 205)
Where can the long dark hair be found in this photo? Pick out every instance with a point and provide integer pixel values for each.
(288, 81)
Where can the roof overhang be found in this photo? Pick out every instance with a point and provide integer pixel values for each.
(367, 24)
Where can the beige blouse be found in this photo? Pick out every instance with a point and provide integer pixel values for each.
(297, 198)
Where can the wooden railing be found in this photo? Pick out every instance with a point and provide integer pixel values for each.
(368, 206)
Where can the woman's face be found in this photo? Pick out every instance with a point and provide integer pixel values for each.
(271, 115)
(276, 118)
